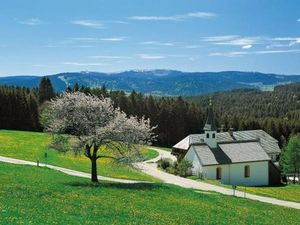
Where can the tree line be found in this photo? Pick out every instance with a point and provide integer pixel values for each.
(276, 112)
(20, 106)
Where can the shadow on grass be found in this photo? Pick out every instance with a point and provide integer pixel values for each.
(140, 186)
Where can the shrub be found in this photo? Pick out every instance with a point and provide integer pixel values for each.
(164, 163)
(171, 170)
(182, 167)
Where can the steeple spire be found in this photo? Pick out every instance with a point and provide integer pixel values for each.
(210, 121)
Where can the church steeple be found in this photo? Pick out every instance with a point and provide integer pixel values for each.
(210, 121)
(210, 128)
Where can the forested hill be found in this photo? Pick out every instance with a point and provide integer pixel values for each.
(159, 82)
(277, 112)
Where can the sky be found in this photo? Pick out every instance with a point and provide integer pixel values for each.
(51, 36)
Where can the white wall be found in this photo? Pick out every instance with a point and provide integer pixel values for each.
(233, 174)
(211, 142)
(191, 156)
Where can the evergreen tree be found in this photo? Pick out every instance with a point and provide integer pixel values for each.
(290, 158)
(46, 91)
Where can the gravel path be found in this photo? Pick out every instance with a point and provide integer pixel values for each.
(150, 167)
(66, 171)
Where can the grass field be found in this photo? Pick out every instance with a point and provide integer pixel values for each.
(31, 195)
(289, 192)
(32, 145)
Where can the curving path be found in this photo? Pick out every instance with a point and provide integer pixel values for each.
(150, 167)
(66, 171)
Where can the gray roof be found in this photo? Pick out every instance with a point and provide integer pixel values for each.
(229, 153)
(268, 143)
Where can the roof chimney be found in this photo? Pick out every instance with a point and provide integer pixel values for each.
(230, 131)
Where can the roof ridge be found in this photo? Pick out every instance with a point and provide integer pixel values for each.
(239, 141)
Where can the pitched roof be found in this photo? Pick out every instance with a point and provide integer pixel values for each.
(229, 153)
(268, 143)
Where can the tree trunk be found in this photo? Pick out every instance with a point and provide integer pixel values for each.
(94, 170)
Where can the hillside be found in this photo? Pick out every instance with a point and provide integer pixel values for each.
(42, 196)
(277, 112)
(160, 82)
(35, 144)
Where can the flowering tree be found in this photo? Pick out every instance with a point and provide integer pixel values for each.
(97, 125)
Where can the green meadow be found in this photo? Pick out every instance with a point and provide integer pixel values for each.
(32, 146)
(32, 195)
(290, 192)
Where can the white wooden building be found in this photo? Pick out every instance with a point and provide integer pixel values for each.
(236, 158)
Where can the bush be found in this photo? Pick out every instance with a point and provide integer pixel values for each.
(164, 163)
(182, 167)
(171, 170)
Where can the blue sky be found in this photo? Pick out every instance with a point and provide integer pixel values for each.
(46, 37)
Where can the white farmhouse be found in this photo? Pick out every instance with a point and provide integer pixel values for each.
(237, 158)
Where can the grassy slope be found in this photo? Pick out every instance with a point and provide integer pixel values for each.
(289, 192)
(30, 195)
(31, 146)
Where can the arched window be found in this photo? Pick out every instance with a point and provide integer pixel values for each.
(213, 135)
(218, 173)
(207, 135)
(247, 171)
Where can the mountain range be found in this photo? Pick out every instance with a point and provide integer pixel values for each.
(160, 82)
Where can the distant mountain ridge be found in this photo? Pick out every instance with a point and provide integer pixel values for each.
(160, 82)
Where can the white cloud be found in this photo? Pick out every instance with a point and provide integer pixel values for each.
(236, 54)
(117, 22)
(95, 39)
(298, 20)
(200, 15)
(83, 64)
(159, 56)
(287, 41)
(157, 43)
(247, 46)
(31, 22)
(176, 56)
(113, 39)
(109, 57)
(203, 15)
(96, 24)
(148, 56)
(220, 38)
(234, 40)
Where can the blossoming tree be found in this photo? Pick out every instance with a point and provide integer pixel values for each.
(97, 125)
